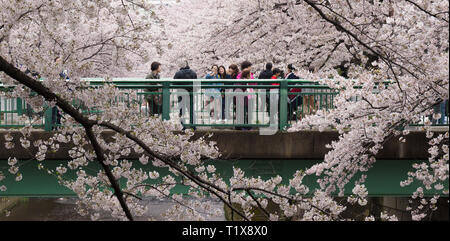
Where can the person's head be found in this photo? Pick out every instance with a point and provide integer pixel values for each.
(246, 65)
(290, 68)
(222, 71)
(215, 69)
(58, 59)
(233, 71)
(269, 66)
(245, 74)
(276, 72)
(156, 67)
(183, 64)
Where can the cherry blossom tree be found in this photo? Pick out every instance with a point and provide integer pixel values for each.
(404, 42)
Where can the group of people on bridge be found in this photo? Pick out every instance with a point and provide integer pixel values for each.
(233, 72)
(244, 72)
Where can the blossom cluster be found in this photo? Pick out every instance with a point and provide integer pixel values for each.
(371, 41)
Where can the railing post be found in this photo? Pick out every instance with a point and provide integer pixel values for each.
(283, 104)
(166, 100)
(191, 106)
(19, 106)
(48, 125)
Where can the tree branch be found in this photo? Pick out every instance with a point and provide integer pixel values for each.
(343, 29)
(425, 11)
(101, 159)
(36, 86)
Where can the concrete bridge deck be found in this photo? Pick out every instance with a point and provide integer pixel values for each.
(250, 145)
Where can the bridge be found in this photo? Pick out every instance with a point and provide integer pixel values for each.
(258, 155)
(161, 97)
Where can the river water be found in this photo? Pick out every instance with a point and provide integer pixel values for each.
(63, 209)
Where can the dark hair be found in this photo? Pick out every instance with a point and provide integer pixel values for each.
(215, 65)
(276, 71)
(224, 72)
(235, 69)
(291, 67)
(245, 74)
(155, 66)
(245, 64)
(269, 66)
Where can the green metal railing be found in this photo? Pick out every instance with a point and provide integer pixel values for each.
(255, 95)
(13, 108)
(161, 97)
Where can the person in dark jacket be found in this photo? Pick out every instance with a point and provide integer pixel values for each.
(223, 75)
(267, 73)
(233, 71)
(154, 100)
(56, 114)
(186, 72)
(246, 75)
(291, 74)
(295, 100)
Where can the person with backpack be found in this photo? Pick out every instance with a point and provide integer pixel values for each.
(267, 73)
(186, 72)
(295, 100)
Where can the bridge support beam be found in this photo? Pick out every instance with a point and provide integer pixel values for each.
(249, 145)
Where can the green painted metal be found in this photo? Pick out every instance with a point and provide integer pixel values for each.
(308, 102)
(19, 106)
(166, 101)
(383, 179)
(48, 125)
(283, 104)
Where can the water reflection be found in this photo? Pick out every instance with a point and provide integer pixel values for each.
(63, 209)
